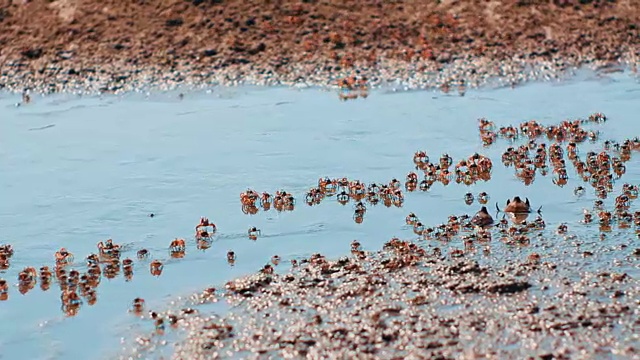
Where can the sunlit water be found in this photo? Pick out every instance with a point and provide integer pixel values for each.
(74, 171)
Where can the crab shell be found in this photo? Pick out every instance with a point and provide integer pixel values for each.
(518, 206)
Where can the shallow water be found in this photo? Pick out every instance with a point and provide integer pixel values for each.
(77, 170)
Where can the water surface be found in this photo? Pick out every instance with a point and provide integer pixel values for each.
(77, 170)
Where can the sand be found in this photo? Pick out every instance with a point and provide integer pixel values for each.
(115, 46)
(405, 303)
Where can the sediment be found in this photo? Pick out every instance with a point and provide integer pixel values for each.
(115, 46)
(408, 303)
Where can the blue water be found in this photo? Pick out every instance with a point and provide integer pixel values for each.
(77, 170)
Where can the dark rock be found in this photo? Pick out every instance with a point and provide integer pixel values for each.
(183, 42)
(4, 14)
(174, 22)
(120, 78)
(33, 53)
(210, 52)
(509, 288)
(463, 267)
(207, 2)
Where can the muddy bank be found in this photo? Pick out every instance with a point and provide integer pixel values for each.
(405, 302)
(80, 45)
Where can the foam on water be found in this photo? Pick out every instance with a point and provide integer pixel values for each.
(77, 170)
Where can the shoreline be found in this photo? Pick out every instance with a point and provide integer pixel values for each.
(584, 73)
(410, 301)
(445, 80)
(103, 47)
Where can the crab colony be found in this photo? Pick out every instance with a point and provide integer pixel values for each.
(599, 170)
(468, 171)
(338, 309)
(263, 291)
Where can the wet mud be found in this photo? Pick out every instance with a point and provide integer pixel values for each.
(110, 46)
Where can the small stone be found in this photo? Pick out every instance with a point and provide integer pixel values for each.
(174, 22)
(209, 52)
(32, 53)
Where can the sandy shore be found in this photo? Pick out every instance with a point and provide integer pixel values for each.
(111, 46)
(407, 303)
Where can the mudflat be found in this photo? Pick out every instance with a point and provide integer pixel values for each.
(109, 46)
